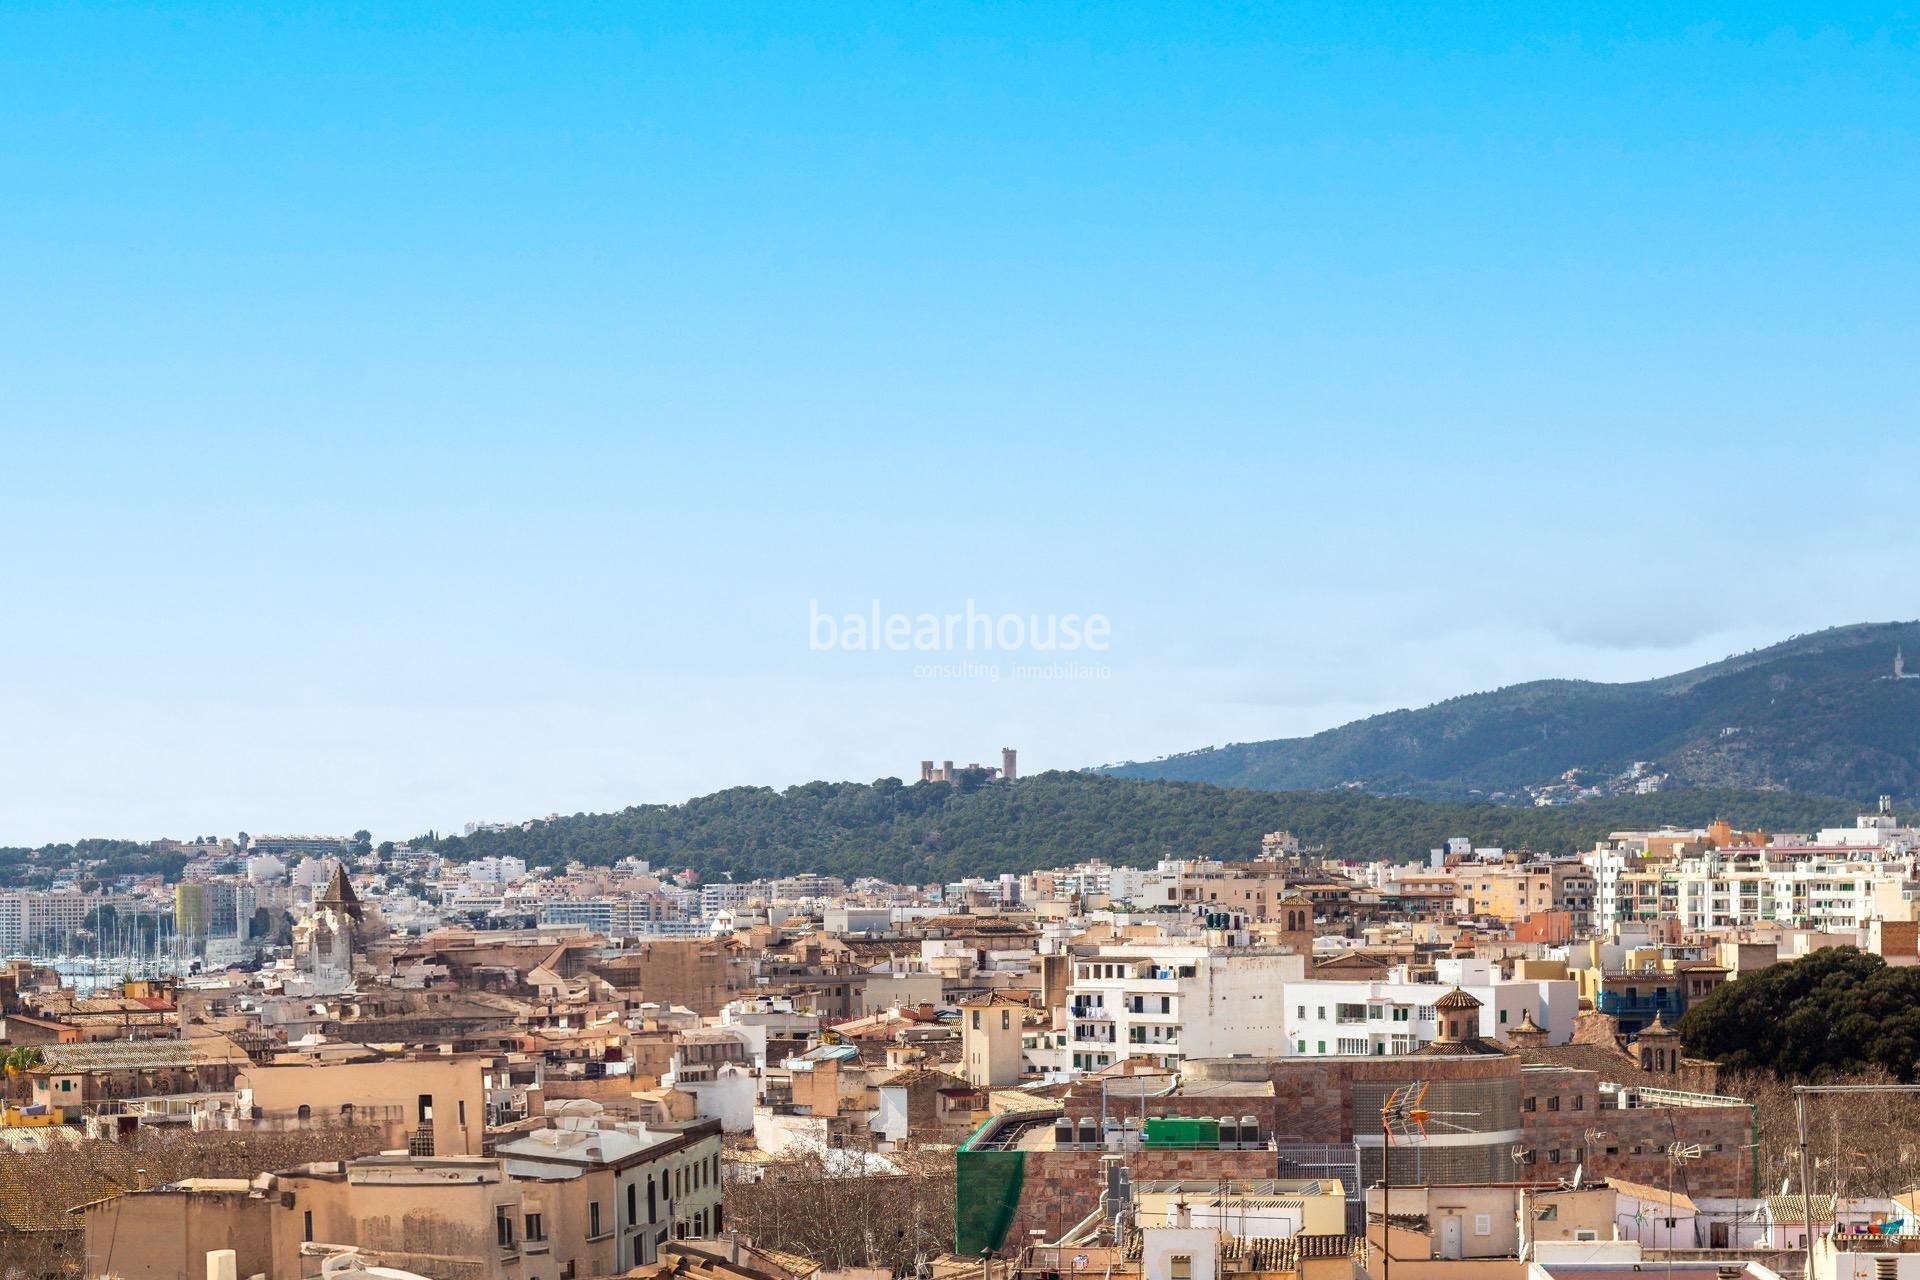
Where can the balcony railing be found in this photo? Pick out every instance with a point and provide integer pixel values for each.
(163, 1108)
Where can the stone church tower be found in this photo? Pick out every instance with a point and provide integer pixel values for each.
(326, 942)
(1296, 924)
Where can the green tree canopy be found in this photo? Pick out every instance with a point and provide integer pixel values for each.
(1836, 1012)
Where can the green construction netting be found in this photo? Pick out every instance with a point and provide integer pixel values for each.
(986, 1193)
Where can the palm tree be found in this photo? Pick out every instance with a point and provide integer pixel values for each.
(16, 1064)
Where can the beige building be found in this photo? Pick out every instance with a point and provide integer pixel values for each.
(992, 1030)
(626, 1190)
(1468, 1232)
(432, 1104)
(589, 1202)
(1263, 1209)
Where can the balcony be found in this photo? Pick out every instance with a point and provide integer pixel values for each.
(162, 1109)
(1636, 1011)
(292, 1119)
(1154, 1015)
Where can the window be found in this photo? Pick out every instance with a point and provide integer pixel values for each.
(1180, 1267)
(1585, 1233)
(1006, 1020)
(307, 1227)
(593, 1219)
(1483, 1224)
(503, 1227)
(461, 1113)
(536, 1230)
(976, 1019)
(633, 1203)
(1553, 1103)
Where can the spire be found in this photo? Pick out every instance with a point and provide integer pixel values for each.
(1658, 1029)
(339, 893)
(1527, 1034)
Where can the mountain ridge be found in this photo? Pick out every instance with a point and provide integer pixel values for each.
(1816, 713)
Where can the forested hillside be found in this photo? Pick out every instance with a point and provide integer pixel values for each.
(1818, 713)
(933, 831)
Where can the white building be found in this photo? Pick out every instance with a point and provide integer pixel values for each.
(717, 1068)
(755, 1018)
(725, 896)
(1826, 887)
(1169, 1002)
(496, 870)
(1395, 1016)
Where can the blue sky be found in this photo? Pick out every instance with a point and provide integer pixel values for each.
(414, 414)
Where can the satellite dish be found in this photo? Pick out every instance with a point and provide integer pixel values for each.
(1579, 1172)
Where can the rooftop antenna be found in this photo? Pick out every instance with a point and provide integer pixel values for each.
(1404, 1111)
(1680, 1153)
(1404, 1108)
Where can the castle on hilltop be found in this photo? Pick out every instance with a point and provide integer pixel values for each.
(945, 772)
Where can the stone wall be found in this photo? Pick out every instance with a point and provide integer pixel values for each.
(1062, 1187)
(1631, 1143)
